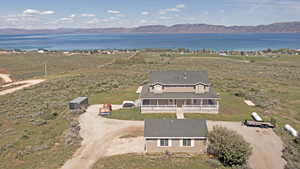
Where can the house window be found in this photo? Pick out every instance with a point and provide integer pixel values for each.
(164, 142)
(186, 142)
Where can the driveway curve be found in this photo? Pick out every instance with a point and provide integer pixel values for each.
(267, 146)
(98, 136)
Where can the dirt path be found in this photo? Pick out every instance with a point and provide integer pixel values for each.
(24, 84)
(266, 145)
(99, 135)
(6, 78)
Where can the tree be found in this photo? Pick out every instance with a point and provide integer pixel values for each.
(228, 146)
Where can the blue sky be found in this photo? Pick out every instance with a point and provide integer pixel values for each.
(36, 14)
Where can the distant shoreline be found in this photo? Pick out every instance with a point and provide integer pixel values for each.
(283, 27)
(193, 42)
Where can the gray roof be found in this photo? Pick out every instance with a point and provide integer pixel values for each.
(178, 77)
(175, 128)
(146, 94)
(78, 100)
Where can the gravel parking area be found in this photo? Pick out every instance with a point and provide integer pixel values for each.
(101, 138)
(267, 146)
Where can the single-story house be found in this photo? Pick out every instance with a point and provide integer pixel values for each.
(173, 91)
(175, 135)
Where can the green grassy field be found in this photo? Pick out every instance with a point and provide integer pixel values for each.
(33, 122)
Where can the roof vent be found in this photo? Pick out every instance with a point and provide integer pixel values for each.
(184, 75)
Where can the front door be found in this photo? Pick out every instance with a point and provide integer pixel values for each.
(179, 103)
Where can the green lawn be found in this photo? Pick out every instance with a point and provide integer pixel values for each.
(135, 114)
(232, 108)
(115, 96)
(131, 161)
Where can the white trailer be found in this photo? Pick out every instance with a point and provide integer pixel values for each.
(291, 130)
(256, 117)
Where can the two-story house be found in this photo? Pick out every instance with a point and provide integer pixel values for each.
(189, 91)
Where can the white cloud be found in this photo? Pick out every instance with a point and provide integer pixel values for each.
(165, 17)
(143, 21)
(47, 12)
(93, 21)
(88, 15)
(66, 19)
(72, 16)
(32, 12)
(113, 12)
(145, 13)
(180, 6)
(177, 8)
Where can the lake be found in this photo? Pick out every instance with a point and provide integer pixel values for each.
(215, 41)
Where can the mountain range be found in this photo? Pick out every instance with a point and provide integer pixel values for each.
(283, 27)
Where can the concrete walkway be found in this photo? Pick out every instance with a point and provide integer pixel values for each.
(179, 113)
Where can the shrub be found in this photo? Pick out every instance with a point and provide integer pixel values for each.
(228, 146)
(292, 154)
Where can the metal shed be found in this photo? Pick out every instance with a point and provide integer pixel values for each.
(78, 103)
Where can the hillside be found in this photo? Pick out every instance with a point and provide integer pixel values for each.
(284, 27)
(37, 130)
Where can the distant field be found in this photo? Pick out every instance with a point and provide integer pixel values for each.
(33, 122)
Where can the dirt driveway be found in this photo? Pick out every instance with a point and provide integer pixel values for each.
(266, 145)
(23, 84)
(6, 78)
(101, 138)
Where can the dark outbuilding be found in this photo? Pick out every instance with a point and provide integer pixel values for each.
(79, 103)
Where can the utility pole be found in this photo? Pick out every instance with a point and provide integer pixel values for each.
(45, 69)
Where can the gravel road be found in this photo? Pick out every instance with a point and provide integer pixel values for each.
(6, 78)
(98, 135)
(24, 84)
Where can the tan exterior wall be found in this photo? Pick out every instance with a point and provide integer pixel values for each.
(178, 89)
(160, 89)
(198, 148)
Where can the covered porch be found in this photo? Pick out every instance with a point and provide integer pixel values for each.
(198, 105)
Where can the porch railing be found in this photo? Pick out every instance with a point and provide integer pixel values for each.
(158, 108)
(200, 108)
(185, 108)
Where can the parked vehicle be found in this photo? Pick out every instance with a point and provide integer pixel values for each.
(128, 104)
(79, 103)
(105, 110)
(256, 117)
(291, 130)
(251, 123)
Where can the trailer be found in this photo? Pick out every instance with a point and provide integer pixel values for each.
(251, 123)
(79, 103)
(291, 130)
(256, 117)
